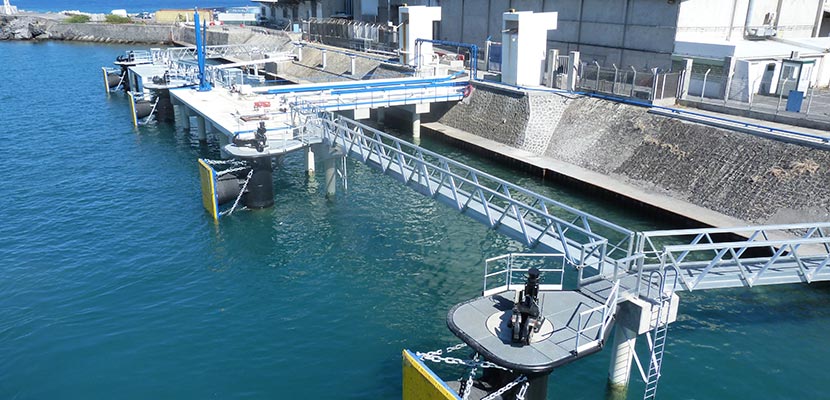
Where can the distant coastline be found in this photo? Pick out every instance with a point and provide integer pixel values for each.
(52, 26)
(132, 6)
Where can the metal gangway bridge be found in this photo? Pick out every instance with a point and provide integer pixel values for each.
(228, 51)
(614, 264)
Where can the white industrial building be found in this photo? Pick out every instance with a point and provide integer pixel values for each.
(740, 41)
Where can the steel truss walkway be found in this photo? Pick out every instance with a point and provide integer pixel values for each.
(601, 250)
(220, 51)
(614, 264)
(702, 262)
(535, 220)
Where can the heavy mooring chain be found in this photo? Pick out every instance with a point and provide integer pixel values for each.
(447, 360)
(506, 387)
(231, 170)
(223, 162)
(435, 357)
(488, 364)
(241, 192)
(468, 386)
(522, 391)
(447, 350)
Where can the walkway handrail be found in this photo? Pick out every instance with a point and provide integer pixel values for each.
(606, 311)
(352, 136)
(701, 260)
(800, 259)
(173, 54)
(506, 272)
(651, 247)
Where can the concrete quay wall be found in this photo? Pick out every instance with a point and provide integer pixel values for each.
(738, 175)
(28, 27)
(110, 33)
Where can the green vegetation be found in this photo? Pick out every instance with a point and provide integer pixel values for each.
(78, 19)
(117, 19)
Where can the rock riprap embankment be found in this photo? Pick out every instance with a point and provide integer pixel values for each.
(24, 28)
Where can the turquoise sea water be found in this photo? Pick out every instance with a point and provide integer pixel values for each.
(114, 283)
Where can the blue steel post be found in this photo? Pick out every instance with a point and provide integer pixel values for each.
(204, 86)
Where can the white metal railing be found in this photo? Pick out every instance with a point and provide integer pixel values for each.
(173, 54)
(508, 270)
(594, 322)
(527, 216)
(328, 100)
(771, 254)
(137, 56)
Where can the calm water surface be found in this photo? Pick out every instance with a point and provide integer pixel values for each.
(116, 284)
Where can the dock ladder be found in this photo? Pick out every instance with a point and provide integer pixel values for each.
(656, 339)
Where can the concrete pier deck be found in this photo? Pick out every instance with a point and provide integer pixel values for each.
(240, 111)
(231, 113)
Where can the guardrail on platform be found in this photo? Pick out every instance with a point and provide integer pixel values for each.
(508, 269)
(765, 257)
(605, 312)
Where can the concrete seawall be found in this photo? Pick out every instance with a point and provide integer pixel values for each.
(109, 33)
(27, 27)
(734, 174)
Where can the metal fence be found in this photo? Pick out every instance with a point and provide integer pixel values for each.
(356, 35)
(630, 82)
(755, 95)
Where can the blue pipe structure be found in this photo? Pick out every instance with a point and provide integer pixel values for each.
(473, 52)
(204, 85)
(391, 88)
(367, 103)
(355, 85)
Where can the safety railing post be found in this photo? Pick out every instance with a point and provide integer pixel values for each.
(614, 84)
(703, 88)
(487, 55)
(812, 90)
(751, 92)
(633, 80)
(596, 87)
(654, 83)
(781, 95)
